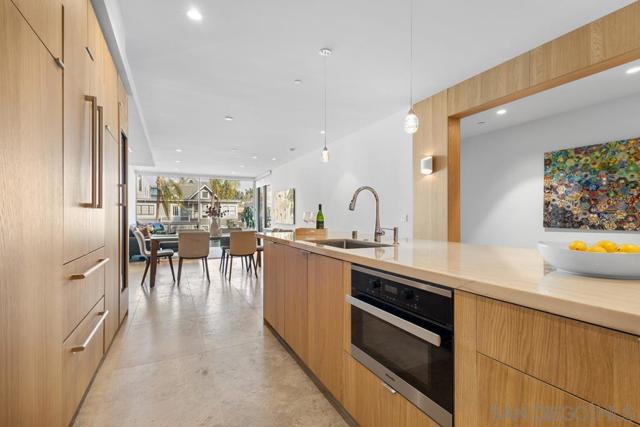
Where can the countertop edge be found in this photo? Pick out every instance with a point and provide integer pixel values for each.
(593, 314)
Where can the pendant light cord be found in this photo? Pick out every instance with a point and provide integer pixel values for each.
(411, 54)
(324, 104)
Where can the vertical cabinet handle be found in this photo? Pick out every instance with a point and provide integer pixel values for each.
(123, 195)
(100, 157)
(94, 124)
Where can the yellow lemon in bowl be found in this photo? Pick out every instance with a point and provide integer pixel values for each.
(597, 248)
(608, 245)
(578, 245)
(629, 248)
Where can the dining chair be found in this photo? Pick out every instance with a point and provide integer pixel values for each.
(225, 248)
(193, 244)
(242, 244)
(144, 252)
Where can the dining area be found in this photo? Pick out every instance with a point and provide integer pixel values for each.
(240, 245)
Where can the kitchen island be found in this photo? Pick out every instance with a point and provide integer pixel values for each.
(533, 346)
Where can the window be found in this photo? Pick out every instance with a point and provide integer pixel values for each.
(175, 210)
(146, 210)
(204, 194)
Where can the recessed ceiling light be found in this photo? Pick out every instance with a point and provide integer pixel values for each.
(322, 132)
(633, 70)
(501, 112)
(254, 157)
(297, 82)
(178, 150)
(130, 150)
(178, 161)
(194, 14)
(273, 158)
(228, 118)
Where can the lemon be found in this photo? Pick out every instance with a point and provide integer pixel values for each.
(598, 249)
(629, 248)
(578, 245)
(608, 245)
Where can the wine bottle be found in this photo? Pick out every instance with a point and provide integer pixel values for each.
(320, 218)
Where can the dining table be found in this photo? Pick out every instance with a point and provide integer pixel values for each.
(156, 240)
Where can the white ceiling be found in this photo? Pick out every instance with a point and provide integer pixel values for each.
(242, 58)
(598, 88)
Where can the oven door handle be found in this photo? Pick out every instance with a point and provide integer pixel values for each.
(413, 329)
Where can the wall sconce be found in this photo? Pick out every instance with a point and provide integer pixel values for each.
(426, 165)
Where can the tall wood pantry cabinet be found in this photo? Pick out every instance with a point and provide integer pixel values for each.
(63, 145)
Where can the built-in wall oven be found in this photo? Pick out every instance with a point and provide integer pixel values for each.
(402, 331)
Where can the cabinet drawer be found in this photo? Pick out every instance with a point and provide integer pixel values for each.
(81, 355)
(594, 363)
(514, 399)
(83, 287)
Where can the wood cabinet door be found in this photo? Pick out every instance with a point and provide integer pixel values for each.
(83, 221)
(30, 226)
(110, 93)
(365, 397)
(45, 18)
(274, 286)
(111, 245)
(326, 320)
(295, 300)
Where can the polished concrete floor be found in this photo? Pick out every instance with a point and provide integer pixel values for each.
(198, 355)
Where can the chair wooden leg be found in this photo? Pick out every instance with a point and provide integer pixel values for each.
(146, 268)
(206, 268)
(179, 269)
(221, 260)
(259, 255)
(173, 274)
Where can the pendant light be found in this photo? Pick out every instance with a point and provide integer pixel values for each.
(411, 121)
(325, 151)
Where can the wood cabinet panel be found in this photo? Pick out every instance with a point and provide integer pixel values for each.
(123, 107)
(465, 351)
(431, 220)
(273, 286)
(596, 364)
(372, 404)
(110, 97)
(79, 367)
(326, 321)
(526, 339)
(512, 398)
(45, 18)
(112, 240)
(295, 300)
(80, 294)
(616, 34)
(83, 224)
(492, 85)
(30, 229)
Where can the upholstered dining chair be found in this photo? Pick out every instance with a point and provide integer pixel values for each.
(193, 245)
(242, 244)
(225, 249)
(162, 253)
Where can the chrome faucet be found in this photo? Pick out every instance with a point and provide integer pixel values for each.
(379, 232)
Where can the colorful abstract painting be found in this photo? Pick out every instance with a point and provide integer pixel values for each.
(596, 187)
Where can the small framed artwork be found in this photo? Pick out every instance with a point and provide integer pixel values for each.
(284, 207)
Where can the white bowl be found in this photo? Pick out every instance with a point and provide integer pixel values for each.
(610, 265)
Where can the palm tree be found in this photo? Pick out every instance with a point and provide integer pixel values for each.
(225, 189)
(168, 191)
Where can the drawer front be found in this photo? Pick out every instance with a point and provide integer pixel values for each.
(511, 398)
(83, 287)
(594, 363)
(81, 355)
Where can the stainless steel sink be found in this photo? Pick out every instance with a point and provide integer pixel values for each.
(350, 243)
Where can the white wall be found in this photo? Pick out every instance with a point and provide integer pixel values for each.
(502, 173)
(379, 155)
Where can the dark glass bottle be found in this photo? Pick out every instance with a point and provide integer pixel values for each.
(320, 218)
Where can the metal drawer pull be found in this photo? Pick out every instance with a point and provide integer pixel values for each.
(389, 388)
(94, 123)
(396, 321)
(90, 271)
(94, 331)
(100, 158)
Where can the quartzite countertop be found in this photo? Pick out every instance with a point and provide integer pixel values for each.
(518, 276)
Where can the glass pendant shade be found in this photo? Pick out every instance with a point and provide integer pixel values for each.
(325, 155)
(411, 122)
